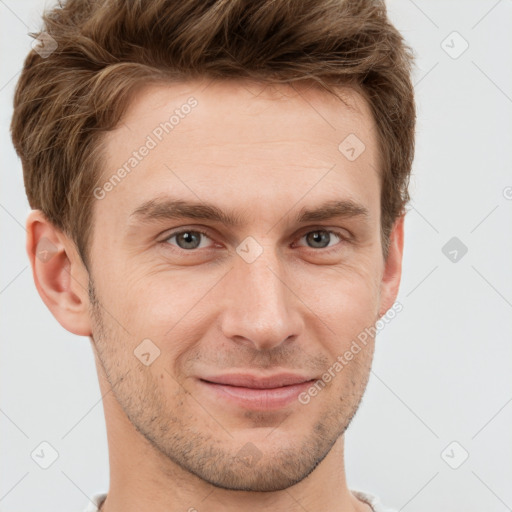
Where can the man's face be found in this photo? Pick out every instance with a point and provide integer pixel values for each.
(268, 296)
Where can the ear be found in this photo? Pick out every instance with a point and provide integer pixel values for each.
(392, 267)
(59, 273)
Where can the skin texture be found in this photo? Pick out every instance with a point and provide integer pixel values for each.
(265, 153)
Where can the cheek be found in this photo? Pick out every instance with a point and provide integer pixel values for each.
(167, 307)
(174, 305)
(346, 299)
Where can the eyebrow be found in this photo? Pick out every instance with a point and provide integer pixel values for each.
(170, 208)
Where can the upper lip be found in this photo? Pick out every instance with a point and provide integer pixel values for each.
(246, 380)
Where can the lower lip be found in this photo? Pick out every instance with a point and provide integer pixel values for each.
(258, 399)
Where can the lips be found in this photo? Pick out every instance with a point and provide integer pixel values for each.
(256, 382)
(256, 392)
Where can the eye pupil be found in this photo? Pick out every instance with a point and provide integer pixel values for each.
(189, 237)
(316, 236)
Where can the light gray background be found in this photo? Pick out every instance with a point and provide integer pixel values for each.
(443, 366)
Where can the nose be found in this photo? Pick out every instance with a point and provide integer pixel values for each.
(260, 308)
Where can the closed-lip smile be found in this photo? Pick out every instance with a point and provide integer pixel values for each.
(257, 392)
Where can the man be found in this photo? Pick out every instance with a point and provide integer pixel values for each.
(218, 193)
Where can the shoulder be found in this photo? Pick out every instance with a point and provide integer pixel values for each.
(372, 500)
(95, 502)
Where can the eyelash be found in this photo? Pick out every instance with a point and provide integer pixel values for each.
(343, 239)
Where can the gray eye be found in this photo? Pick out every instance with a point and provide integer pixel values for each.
(187, 239)
(319, 239)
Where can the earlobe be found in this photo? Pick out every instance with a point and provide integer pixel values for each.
(59, 275)
(392, 267)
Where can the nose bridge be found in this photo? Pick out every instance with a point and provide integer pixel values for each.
(260, 308)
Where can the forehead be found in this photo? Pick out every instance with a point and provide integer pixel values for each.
(241, 111)
(240, 143)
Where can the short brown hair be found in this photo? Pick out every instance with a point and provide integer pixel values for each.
(65, 101)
